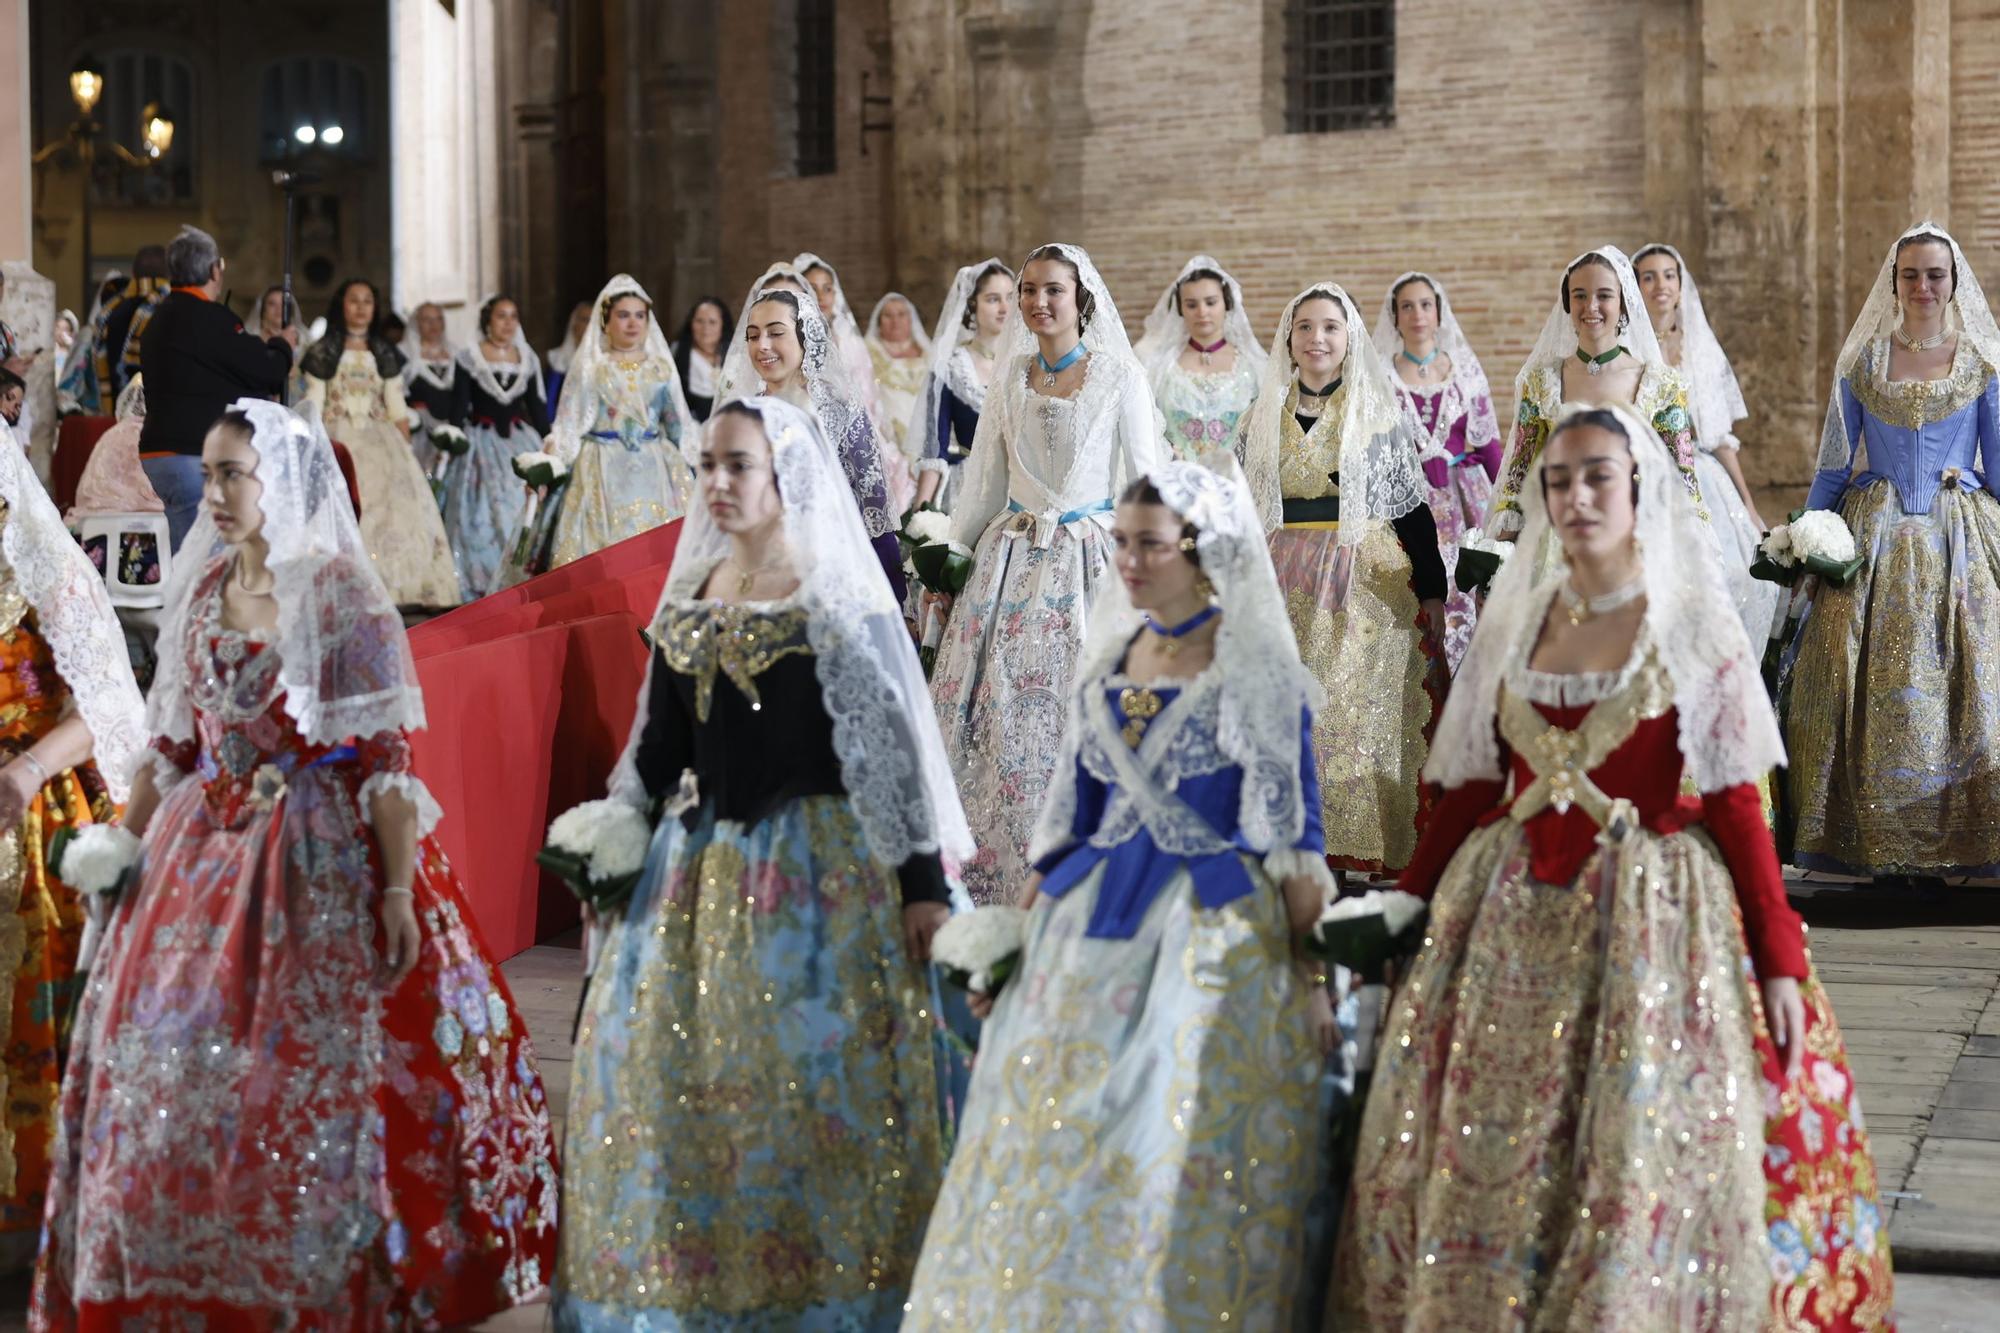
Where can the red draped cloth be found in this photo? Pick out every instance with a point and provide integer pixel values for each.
(530, 693)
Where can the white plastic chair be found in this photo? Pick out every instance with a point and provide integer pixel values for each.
(136, 556)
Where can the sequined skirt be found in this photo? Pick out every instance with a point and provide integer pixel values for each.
(400, 523)
(1892, 701)
(1355, 617)
(616, 489)
(1140, 1142)
(1577, 1119)
(754, 1131)
(1002, 685)
(1457, 507)
(484, 503)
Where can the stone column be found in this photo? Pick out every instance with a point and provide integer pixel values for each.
(16, 129)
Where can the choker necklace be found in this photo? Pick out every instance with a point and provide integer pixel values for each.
(1209, 350)
(1422, 363)
(1049, 372)
(1596, 364)
(1171, 635)
(1922, 344)
(1580, 608)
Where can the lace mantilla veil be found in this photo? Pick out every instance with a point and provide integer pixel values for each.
(74, 616)
(1868, 340)
(344, 660)
(472, 360)
(1165, 332)
(949, 335)
(1715, 400)
(1728, 731)
(892, 758)
(1468, 377)
(414, 365)
(1379, 477)
(917, 334)
(1265, 689)
(577, 412)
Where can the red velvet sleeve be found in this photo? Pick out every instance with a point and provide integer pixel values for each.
(1735, 819)
(1452, 818)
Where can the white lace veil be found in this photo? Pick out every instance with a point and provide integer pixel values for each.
(1728, 732)
(576, 414)
(1557, 342)
(848, 427)
(1868, 340)
(472, 360)
(737, 378)
(917, 334)
(949, 335)
(343, 657)
(1379, 477)
(74, 616)
(847, 339)
(560, 355)
(892, 759)
(414, 365)
(1265, 688)
(1468, 378)
(1165, 333)
(1715, 400)
(132, 399)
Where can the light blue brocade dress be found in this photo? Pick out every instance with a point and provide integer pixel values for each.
(1141, 1140)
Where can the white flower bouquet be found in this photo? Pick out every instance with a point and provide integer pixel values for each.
(449, 440)
(1367, 930)
(980, 949)
(598, 849)
(1814, 541)
(1479, 559)
(540, 470)
(95, 858)
(940, 565)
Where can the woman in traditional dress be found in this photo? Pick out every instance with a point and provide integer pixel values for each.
(1333, 470)
(270, 323)
(71, 724)
(1068, 422)
(754, 1120)
(559, 356)
(1716, 404)
(430, 387)
(1597, 346)
(501, 406)
(1611, 1093)
(76, 386)
(898, 351)
(824, 285)
(699, 349)
(964, 351)
(1891, 715)
(114, 480)
(794, 359)
(1201, 358)
(1443, 388)
(1140, 1142)
(299, 1094)
(355, 377)
(619, 430)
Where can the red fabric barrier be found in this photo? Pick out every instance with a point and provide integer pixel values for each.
(530, 693)
(76, 438)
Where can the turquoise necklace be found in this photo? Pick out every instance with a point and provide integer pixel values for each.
(1049, 372)
(1422, 363)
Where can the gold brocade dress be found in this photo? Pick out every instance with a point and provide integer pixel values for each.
(41, 920)
(1355, 615)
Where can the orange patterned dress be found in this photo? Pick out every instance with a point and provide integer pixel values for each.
(41, 920)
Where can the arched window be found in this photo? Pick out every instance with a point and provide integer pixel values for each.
(134, 79)
(314, 104)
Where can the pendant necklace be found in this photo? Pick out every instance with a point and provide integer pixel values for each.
(746, 577)
(1049, 372)
(1922, 344)
(1171, 635)
(1318, 398)
(1596, 364)
(1209, 350)
(1580, 608)
(1422, 363)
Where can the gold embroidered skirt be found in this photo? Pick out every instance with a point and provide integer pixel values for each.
(1355, 616)
(1139, 1145)
(1892, 715)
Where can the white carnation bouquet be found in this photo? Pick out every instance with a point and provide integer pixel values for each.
(980, 949)
(598, 849)
(1479, 559)
(540, 470)
(95, 858)
(1365, 931)
(940, 564)
(450, 440)
(1814, 541)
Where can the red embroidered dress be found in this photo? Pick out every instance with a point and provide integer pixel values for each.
(1579, 1115)
(254, 1135)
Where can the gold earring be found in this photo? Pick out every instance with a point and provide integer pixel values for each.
(1204, 589)
(1187, 545)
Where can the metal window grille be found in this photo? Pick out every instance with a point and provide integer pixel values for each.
(814, 147)
(1340, 65)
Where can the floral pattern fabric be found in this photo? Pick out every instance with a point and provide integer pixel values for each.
(1461, 490)
(1200, 409)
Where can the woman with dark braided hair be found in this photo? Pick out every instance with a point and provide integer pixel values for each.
(503, 406)
(355, 376)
